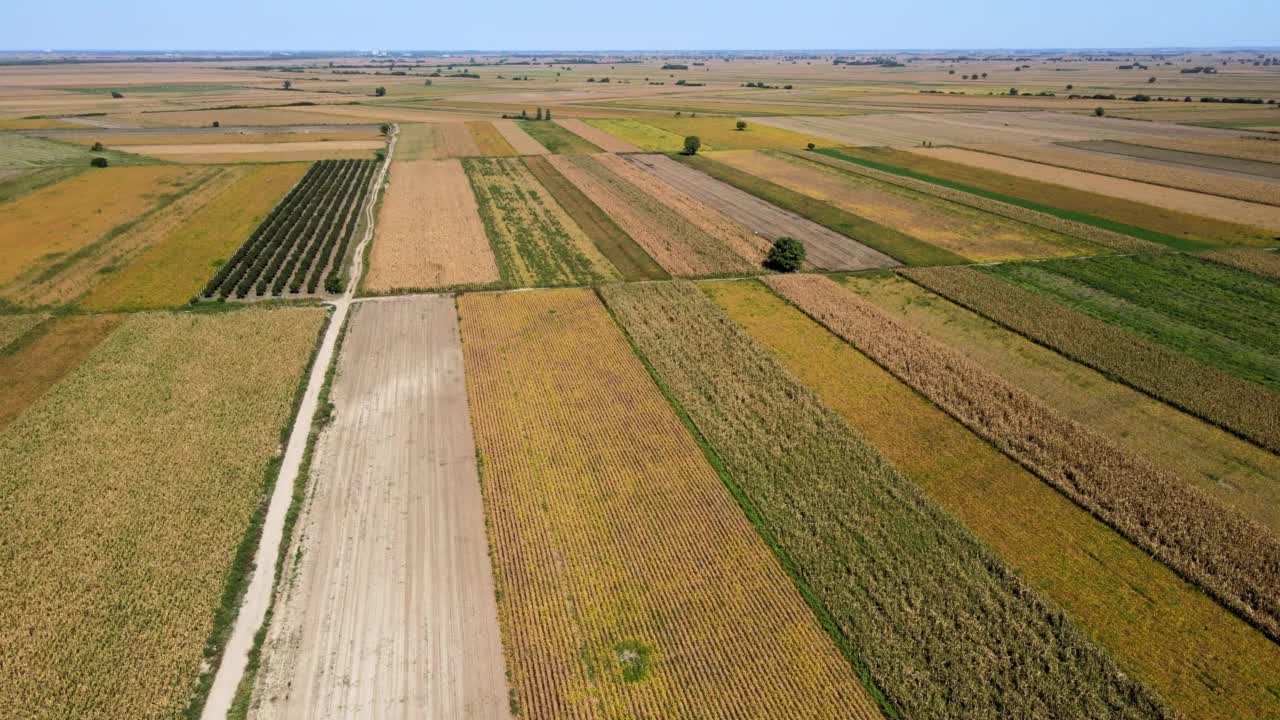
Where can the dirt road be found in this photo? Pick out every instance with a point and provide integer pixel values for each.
(390, 611)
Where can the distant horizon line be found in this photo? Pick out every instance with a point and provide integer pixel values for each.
(618, 51)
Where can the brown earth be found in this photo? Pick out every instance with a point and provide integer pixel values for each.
(519, 139)
(456, 140)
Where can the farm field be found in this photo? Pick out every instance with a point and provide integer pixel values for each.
(13, 327)
(294, 135)
(392, 506)
(1237, 166)
(1136, 608)
(826, 249)
(454, 140)
(555, 138)
(418, 141)
(294, 245)
(721, 133)
(43, 352)
(1259, 262)
(520, 141)
(534, 240)
(648, 138)
(213, 153)
(489, 141)
(429, 232)
(132, 483)
(573, 514)
(965, 231)
(594, 135)
(786, 461)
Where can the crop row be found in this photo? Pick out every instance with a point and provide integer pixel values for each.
(1259, 262)
(292, 247)
(944, 628)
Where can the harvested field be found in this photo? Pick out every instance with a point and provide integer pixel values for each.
(489, 141)
(889, 566)
(887, 241)
(1217, 208)
(1236, 166)
(48, 231)
(429, 232)
(261, 152)
(13, 327)
(721, 133)
(418, 141)
(965, 231)
(556, 139)
(1220, 550)
(677, 245)
(1259, 262)
(642, 135)
(1168, 375)
(18, 181)
(389, 608)
(534, 240)
(1161, 630)
(45, 356)
(131, 485)
(597, 137)
(741, 240)
(1217, 315)
(676, 607)
(626, 256)
(1155, 172)
(1220, 464)
(826, 249)
(305, 237)
(149, 137)
(519, 140)
(26, 151)
(173, 269)
(455, 140)
(1244, 147)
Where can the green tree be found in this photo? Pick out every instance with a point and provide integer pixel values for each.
(538, 116)
(97, 147)
(786, 255)
(287, 84)
(386, 128)
(1099, 111)
(811, 146)
(117, 95)
(98, 162)
(216, 124)
(547, 114)
(742, 125)
(692, 145)
(379, 91)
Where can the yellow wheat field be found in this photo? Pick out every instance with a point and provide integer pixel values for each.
(630, 584)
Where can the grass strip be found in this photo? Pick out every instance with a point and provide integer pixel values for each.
(555, 138)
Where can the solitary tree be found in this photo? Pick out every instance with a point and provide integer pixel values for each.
(811, 146)
(386, 128)
(380, 91)
(742, 125)
(1013, 91)
(98, 162)
(1071, 87)
(692, 145)
(287, 84)
(97, 147)
(786, 255)
(216, 124)
(1099, 111)
(427, 83)
(547, 114)
(984, 76)
(117, 95)
(1151, 79)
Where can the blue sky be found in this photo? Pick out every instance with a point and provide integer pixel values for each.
(655, 24)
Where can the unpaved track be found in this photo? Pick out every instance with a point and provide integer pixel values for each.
(391, 612)
(253, 608)
(826, 249)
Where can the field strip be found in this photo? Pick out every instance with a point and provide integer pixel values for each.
(257, 597)
(1162, 631)
(246, 148)
(889, 566)
(391, 609)
(1235, 166)
(45, 355)
(521, 141)
(607, 142)
(1228, 555)
(825, 249)
(623, 596)
(1259, 262)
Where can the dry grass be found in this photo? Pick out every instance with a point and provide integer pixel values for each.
(1230, 556)
(129, 487)
(455, 140)
(617, 600)
(55, 349)
(1161, 630)
(113, 141)
(418, 141)
(172, 270)
(1259, 262)
(920, 600)
(520, 141)
(13, 327)
(1245, 147)
(429, 232)
(489, 141)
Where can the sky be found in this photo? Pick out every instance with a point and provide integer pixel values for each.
(649, 25)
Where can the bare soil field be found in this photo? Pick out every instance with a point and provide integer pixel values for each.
(607, 142)
(388, 609)
(1226, 209)
(1240, 166)
(456, 140)
(519, 140)
(429, 232)
(826, 249)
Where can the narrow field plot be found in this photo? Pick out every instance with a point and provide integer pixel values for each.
(825, 249)
(47, 231)
(173, 269)
(17, 181)
(388, 609)
(1162, 631)
(555, 138)
(418, 141)
(228, 118)
(1259, 262)
(630, 260)
(454, 140)
(1222, 551)
(519, 140)
(53, 350)
(724, 228)
(594, 135)
(1257, 168)
(721, 133)
(429, 232)
(26, 151)
(680, 247)
(642, 135)
(1218, 208)
(630, 583)
(489, 141)
(13, 327)
(221, 138)
(129, 486)
(1245, 147)
(965, 231)
(255, 152)
(890, 567)
(1221, 316)
(534, 240)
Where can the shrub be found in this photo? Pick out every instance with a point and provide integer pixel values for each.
(810, 146)
(215, 123)
(742, 125)
(116, 95)
(786, 255)
(379, 91)
(386, 128)
(692, 145)
(97, 147)
(99, 162)
(1099, 111)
